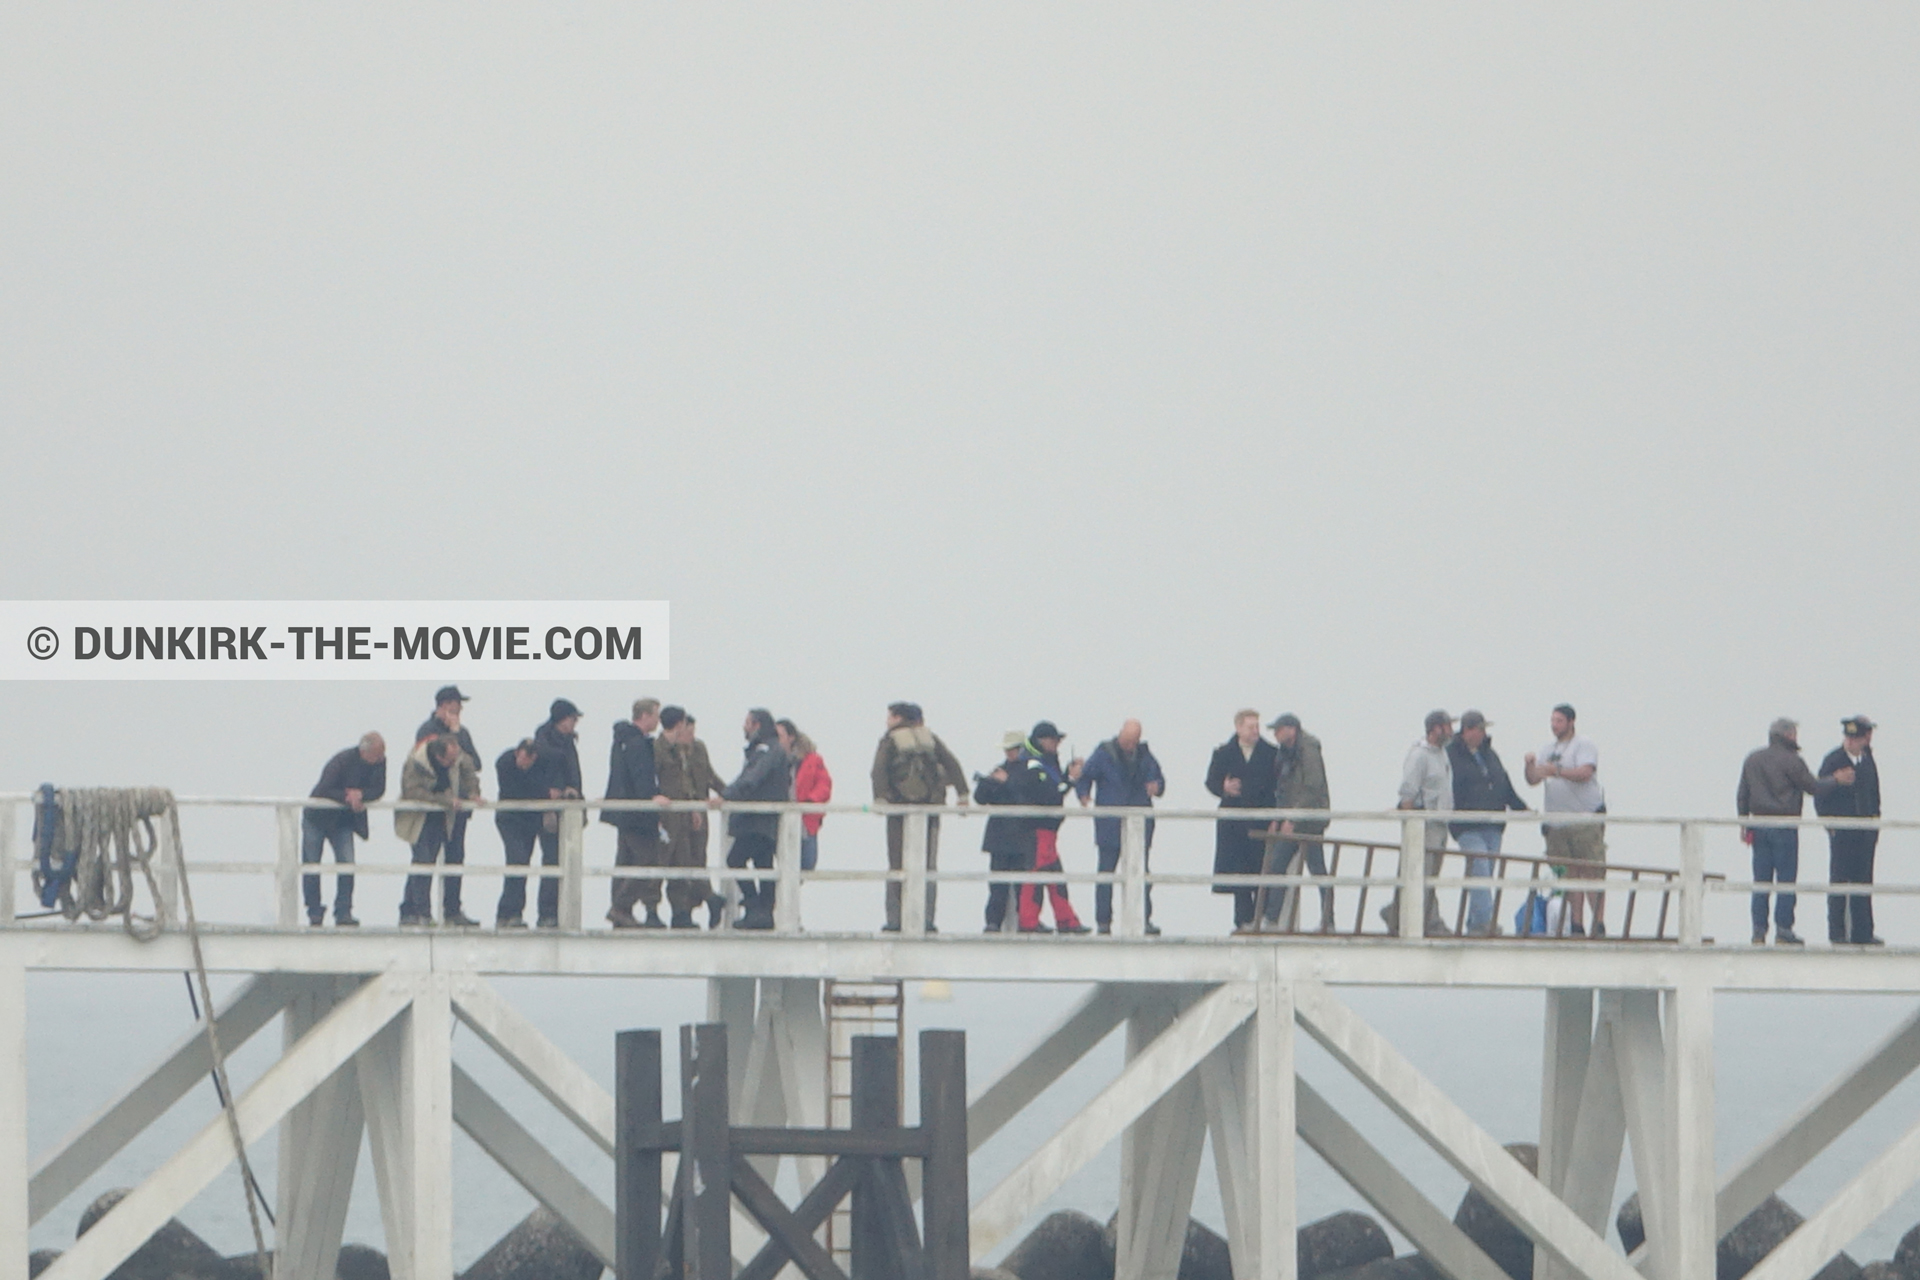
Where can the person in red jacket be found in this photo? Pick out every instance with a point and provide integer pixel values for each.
(812, 784)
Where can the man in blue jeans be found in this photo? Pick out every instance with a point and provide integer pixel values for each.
(354, 778)
(1480, 782)
(1774, 783)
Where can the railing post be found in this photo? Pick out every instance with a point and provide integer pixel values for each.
(286, 867)
(1693, 884)
(786, 871)
(9, 865)
(913, 858)
(1133, 876)
(1412, 909)
(572, 866)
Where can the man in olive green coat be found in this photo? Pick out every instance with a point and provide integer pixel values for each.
(912, 766)
(439, 772)
(685, 773)
(1302, 776)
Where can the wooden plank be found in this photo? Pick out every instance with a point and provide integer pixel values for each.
(706, 1164)
(636, 1168)
(541, 1063)
(103, 1134)
(943, 1125)
(1182, 1047)
(1452, 1133)
(1390, 1192)
(146, 1209)
(784, 1231)
(836, 1185)
(1050, 1057)
(535, 1168)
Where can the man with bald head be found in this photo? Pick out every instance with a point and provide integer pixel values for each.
(352, 779)
(1121, 772)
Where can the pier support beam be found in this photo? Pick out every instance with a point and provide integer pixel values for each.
(13, 1115)
(406, 1085)
(1690, 1122)
(319, 1151)
(1274, 1125)
(1159, 1159)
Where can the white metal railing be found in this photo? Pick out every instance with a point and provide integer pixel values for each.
(1683, 890)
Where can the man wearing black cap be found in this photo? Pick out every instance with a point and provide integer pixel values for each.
(559, 749)
(1480, 784)
(1850, 852)
(1050, 783)
(448, 704)
(912, 766)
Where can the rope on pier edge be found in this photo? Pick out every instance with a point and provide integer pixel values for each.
(111, 828)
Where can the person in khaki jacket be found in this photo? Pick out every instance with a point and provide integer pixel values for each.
(438, 771)
(685, 772)
(912, 766)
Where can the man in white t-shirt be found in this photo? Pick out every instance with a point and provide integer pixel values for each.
(1569, 766)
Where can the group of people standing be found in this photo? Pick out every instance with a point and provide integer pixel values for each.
(656, 756)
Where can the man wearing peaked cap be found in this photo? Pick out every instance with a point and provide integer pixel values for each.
(1850, 852)
(448, 703)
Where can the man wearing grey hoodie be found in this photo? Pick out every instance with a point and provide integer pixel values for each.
(1426, 782)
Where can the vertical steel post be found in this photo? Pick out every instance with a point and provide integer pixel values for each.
(943, 1115)
(706, 1153)
(1133, 876)
(786, 872)
(1412, 910)
(573, 862)
(636, 1162)
(15, 1167)
(913, 859)
(286, 867)
(1693, 884)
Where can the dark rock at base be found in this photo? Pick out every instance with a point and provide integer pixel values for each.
(993, 1273)
(1410, 1267)
(1633, 1232)
(1882, 1270)
(541, 1248)
(1065, 1246)
(39, 1260)
(360, 1262)
(1487, 1227)
(241, 1266)
(1204, 1254)
(1340, 1242)
(172, 1251)
(1906, 1258)
(1742, 1248)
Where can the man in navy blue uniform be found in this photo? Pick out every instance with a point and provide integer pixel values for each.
(1850, 852)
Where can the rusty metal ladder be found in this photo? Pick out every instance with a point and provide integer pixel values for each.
(855, 1009)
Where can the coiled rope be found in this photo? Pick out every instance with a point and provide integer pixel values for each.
(111, 830)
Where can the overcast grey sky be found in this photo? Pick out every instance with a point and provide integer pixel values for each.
(1079, 362)
(1072, 360)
